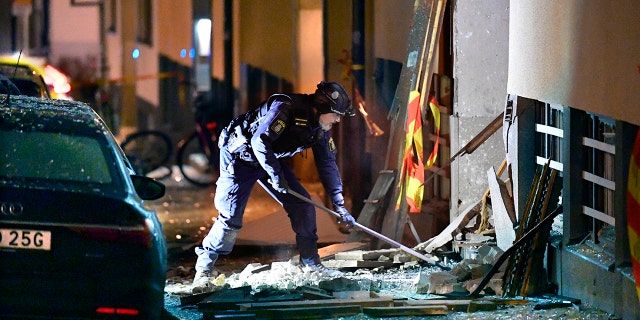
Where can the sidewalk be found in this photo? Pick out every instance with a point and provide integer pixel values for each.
(266, 223)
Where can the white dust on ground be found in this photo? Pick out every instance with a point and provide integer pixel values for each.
(289, 276)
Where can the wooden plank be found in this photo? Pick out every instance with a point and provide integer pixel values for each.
(378, 198)
(422, 42)
(450, 231)
(502, 205)
(281, 297)
(330, 251)
(193, 298)
(315, 295)
(405, 311)
(338, 264)
(372, 302)
(365, 255)
(210, 315)
(358, 294)
(323, 312)
(226, 299)
(240, 292)
(452, 305)
(220, 305)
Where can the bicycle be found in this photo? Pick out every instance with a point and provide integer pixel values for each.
(148, 151)
(197, 155)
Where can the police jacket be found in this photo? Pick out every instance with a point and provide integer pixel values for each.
(279, 128)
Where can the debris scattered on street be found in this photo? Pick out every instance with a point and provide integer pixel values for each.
(402, 287)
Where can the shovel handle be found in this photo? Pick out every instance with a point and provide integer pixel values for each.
(369, 231)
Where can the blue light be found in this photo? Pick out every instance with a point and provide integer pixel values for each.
(183, 53)
(135, 54)
(192, 53)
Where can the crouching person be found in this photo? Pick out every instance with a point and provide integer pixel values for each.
(253, 148)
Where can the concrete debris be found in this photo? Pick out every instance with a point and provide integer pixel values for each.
(285, 290)
(489, 254)
(462, 277)
(376, 259)
(344, 284)
(366, 255)
(434, 282)
(494, 286)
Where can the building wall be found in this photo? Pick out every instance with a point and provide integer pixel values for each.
(217, 43)
(392, 22)
(338, 38)
(267, 34)
(481, 43)
(173, 32)
(6, 45)
(582, 54)
(73, 31)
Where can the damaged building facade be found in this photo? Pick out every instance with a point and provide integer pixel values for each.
(570, 86)
(575, 65)
(565, 74)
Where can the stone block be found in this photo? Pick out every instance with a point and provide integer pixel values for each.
(429, 282)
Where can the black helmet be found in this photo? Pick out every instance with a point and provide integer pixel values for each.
(331, 97)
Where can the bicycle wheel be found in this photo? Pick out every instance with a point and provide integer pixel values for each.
(148, 151)
(197, 164)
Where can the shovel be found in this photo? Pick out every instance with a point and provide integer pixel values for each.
(388, 240)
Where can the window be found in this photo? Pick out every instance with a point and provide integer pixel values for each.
(145, 24)
(592, 150)
(549, 135)
(599, 148)
(110, 15)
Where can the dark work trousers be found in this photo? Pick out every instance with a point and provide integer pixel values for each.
(237, 179)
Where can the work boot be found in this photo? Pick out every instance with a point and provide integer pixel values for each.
(204, 281)
(324, 270)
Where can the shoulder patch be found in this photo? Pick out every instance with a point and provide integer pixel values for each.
(332, 145)
(277, 126)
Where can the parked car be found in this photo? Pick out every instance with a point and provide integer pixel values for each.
(27, 71)
(76, 240)
(28, 81)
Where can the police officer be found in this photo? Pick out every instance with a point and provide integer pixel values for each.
(253, 148)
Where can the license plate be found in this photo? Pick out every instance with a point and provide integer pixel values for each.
(25, 239)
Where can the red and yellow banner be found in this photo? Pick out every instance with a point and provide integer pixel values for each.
(433, 105)
(633, 211)
(413, 166)
(412, 173)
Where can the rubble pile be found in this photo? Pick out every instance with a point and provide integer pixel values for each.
(392, 285)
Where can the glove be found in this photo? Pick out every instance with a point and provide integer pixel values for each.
(345, 216)
(279, 184)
